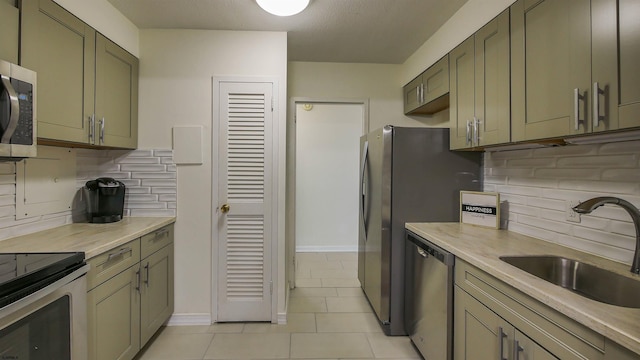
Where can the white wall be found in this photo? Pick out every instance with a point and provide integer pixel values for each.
(327, 158)
(537, 183)
(105, 18)
(379, 83)
(176, 70)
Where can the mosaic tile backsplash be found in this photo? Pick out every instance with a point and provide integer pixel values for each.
(537, 183)
(149, 175)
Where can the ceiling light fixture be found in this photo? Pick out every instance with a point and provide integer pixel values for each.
(283, 7)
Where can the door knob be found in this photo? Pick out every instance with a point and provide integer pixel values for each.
(225, 208)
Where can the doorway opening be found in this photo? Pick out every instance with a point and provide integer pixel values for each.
(323, 176)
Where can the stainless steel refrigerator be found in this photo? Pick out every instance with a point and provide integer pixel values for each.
(406, 175)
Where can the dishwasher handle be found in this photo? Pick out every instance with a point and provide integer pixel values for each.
(427, 249)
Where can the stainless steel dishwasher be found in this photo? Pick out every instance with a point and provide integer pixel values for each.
(428, 312)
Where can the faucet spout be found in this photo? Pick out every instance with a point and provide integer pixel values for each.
(592, 204)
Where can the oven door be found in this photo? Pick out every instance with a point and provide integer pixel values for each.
(48, 324)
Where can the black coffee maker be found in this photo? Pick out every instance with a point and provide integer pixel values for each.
(105, 200)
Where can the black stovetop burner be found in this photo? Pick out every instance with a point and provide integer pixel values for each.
(22, 274)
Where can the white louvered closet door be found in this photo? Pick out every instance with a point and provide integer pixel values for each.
(245, 170)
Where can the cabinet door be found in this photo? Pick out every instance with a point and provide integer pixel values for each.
(114, 317)
(551, 67)
(527, 349)
(479, 334)
(61, 49)
(157, 291)
(411, 93)
(462, 94)
(492, 82)
(116, 95)
(629, 54)
(436, 80)
(9, 31)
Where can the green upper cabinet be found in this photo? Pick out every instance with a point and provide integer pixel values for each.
(87, 85)
(461, 94)
(116, 95)
(479, 87)
(551, 54)
(9, 31)
(618, 98)
(61, 49)
(427, 93)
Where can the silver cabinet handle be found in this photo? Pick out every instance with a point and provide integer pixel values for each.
(476, 134)
(418, 94)
(92, 129)
(118, 253)
(576, 106)
(422, 93)
(501, 337)
(422, 252)
(160, 234)
(15, 110)
(138, 280)
(102, 121)
(468, 138)
(596, 104)
(146, 268)
(517, 350)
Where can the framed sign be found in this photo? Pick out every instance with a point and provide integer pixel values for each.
(480, 208)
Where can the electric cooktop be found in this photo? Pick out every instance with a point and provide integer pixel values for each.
(22, 274)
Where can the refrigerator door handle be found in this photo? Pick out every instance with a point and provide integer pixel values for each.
(365, 154)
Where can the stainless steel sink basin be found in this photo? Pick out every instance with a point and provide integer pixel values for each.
(584, 279)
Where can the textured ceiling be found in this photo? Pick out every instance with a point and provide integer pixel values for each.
(363, 31)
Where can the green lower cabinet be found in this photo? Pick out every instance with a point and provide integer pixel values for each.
(130, 298)
(478, 332)
(526, 349)
(492, 320)
(114, 317)
(495, 321)
(156, 291)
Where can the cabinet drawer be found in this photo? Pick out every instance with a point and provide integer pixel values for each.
(156, 240)
(111, 263)
(560, 335)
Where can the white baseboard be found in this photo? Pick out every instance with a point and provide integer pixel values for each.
(344, 248)
(189, 319)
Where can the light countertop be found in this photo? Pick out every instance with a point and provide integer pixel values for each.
(482, 248)
(92, 239)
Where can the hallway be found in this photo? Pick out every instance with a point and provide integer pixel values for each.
(328, 318)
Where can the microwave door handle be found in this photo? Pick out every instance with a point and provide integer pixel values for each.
(15, 111)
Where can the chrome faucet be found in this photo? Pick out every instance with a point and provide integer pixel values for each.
(592, 204)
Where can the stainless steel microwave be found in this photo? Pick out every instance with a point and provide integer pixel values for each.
(18, 126)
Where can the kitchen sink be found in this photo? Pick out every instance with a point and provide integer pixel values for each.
(584, 279)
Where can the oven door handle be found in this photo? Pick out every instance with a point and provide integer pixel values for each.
(15, 110)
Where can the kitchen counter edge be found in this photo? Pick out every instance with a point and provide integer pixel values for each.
(482, 248)
(92, 239)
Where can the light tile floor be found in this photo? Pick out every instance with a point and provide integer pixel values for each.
(328, 318)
